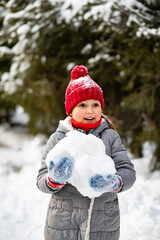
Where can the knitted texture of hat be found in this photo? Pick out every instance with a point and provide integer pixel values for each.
(81, 88)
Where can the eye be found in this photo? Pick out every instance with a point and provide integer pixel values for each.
(82, 105)
(96, 104)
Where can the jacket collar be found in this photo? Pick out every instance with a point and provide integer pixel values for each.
(66, 126)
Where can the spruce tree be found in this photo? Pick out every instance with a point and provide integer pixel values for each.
(41, 40)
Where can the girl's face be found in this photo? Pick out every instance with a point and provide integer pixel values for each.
(88, 111)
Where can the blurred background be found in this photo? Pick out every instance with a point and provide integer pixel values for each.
(41, 41)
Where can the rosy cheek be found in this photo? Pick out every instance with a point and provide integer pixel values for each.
(79, 115)
(99, 114)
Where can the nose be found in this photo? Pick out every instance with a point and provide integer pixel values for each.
(89, 110)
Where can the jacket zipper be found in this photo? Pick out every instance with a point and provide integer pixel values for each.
(88, 227)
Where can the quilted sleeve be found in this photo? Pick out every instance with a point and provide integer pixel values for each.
(124, 166)
(42, 182)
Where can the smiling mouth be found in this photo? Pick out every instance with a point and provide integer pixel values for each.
(89, 119)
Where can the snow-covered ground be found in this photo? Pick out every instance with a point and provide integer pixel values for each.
(23, 207)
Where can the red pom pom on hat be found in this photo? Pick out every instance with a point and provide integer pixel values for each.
(79, 71)
(81, 88)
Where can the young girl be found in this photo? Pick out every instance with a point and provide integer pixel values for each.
(72, 216)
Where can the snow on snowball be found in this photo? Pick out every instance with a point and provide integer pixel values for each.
(89, 158)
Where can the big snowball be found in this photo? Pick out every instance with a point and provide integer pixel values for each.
(89, 158)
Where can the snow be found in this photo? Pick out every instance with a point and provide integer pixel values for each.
(87, 49)
(75, 146)
(144, 31)
(25, 26)
(5, 51)
(23, 29)
(24, 207)
(19, 116)
(7, 84)
(140, 206)
(104, 10)
(21, 60)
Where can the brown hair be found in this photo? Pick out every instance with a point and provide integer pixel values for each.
(112, 123)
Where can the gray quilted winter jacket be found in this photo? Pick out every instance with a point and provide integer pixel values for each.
(70, 215)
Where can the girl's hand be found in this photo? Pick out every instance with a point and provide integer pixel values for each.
(61, 171)
(109, 183)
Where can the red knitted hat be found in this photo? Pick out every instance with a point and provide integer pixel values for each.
(81, 88)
